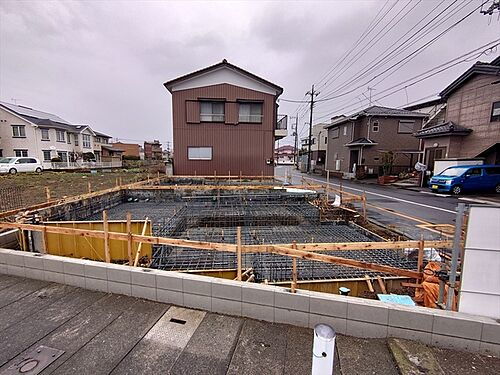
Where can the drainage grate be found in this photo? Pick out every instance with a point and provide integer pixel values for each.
(34, 362)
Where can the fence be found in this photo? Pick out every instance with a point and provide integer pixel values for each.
(82, 164)
(11, 198)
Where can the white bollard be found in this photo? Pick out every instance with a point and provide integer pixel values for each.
(323, 350)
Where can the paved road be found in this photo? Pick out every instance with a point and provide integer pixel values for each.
(414, 207)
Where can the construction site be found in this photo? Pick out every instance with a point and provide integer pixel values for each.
(254, 229)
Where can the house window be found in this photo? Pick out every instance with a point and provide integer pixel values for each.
(200, 153)
(406, 126)
(21, 153)
(495, 112)
(60, 136)
(75, 137)
(345, 129)
(375, 126)
(46, 155)
(212, 111)
(18, 131)
(335, 133)
(69, 139)
(63, 155)
(45, 134)
(326, 140)
(250, 112)
(86, 140)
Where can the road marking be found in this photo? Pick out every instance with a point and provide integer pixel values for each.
(436, 194)
(385, 196)
(475, 200)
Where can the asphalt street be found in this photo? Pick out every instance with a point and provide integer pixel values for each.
(401, 209)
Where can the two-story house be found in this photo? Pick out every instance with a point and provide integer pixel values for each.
(319, 139)
(25, 131)
(357, 144)
(153, 150)
(224, 121)
(468, 126)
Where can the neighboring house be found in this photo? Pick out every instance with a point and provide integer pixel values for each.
(132, 150)
(469, 127)
(110, 152)
(224, 121)
(28, 132)
(364, 139)
(319, 139)
(285, 154)
(153, 151)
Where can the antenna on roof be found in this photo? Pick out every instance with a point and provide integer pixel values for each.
(14, 100)
(224, 60)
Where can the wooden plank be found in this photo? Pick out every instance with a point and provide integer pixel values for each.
(412, 285)
(106, 236)
(369, 283)
(381, 285)
(344, 261)
(238, 251)
(129, 239)
(420, 260)
(138, 253)
(294, 270)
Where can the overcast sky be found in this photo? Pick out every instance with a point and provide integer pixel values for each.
(104, 63)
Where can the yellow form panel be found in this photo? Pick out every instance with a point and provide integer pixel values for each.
(77, 246)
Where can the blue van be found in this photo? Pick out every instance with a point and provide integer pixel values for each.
(467, 178)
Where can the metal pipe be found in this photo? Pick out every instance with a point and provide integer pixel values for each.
(457, 239)
(323, 350)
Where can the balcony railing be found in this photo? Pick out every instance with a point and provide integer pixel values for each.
(282, 122)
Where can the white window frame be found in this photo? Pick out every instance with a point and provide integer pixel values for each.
(210, 116)
(250, 118)
(60, 136)
(75, 139)
(21, 153)
(50, 155)
(86, 141)
(196, 153)
(20, 133)
(345, 130)
(407, 122)
(375, 126)
(45, 131)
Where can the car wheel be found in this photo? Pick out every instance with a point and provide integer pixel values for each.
(13, 171)
(497, 189)
(457, 190)
(38, 170)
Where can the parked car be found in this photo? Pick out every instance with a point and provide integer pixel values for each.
(467, 178)
(14, 164)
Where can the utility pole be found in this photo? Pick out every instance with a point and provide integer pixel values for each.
(313, 94)
(296, 150)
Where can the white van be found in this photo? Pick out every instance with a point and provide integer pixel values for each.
(14, 164)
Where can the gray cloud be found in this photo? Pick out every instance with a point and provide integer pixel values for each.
(104, 63)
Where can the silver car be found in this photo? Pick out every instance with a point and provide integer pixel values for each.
(13, 165)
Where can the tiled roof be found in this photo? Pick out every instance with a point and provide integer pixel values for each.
(448, 128)
(376, 110)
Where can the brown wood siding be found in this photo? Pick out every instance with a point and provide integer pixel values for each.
(238, 148)
(232, 113)
(193, 112)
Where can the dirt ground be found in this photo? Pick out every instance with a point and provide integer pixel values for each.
(25, 189)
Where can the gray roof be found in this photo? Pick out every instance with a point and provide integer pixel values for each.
(376, 110)
(448, 128)
(45, 119)
(33, 113)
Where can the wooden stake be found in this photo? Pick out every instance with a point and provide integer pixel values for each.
(47, 193)
(294, 270)
(45, 249)
(238, 251)
(138, 253)
(420, 259)
(89, 186)
(369, 283)
(120, 181)
(116, 182)
(106, 236)
(381, 285)
(129, 241)
(364, 205)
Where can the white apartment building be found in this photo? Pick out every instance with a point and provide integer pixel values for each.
(28, 132)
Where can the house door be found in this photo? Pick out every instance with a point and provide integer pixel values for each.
(353, 159)
(431, 154)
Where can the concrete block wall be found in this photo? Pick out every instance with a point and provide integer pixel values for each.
(347, 315)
